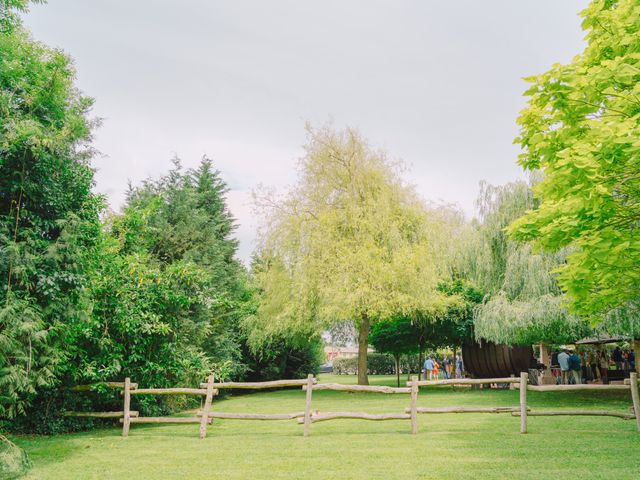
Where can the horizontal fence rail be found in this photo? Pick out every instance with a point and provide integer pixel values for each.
(307, 417)
(320, 417)
(171, 391)
(92, 386)
(592, 413)
(133, 413)
(466, 409)
(260, 385)
(254, 416)
(165, 420)
(566, 388)
(467, 381)
(358, 388)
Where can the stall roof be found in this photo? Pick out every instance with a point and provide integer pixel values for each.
(601, 339)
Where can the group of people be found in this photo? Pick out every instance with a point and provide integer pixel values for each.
(625, 359)
(449, 367)
(571, 367)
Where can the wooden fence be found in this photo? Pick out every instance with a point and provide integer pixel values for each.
(311, 417)
(523, 411)
(307, 417)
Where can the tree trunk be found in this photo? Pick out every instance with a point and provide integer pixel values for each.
(363, 345)
(397, 359)
(636, 351)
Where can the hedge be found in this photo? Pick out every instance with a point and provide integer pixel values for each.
(377, 364)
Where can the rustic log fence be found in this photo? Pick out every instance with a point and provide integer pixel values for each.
(307, 417)
(313, 417)
(523, 411)
(631, 385)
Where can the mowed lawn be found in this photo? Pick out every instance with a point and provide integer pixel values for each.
(451, 446)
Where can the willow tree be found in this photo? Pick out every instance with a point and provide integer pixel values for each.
(582, 129)
(524, 304)
(349, 242)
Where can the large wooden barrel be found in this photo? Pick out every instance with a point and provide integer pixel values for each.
(488, 360)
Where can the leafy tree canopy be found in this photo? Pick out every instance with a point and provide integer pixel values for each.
(48, 215)
(582, 129)
(523, 303)
(349, 242)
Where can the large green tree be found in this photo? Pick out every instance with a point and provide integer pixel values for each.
(582, 129)
(49, 222)
(350, 242)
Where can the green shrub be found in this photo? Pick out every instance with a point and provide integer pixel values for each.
(13, 460)
(345, 366)
(380, 364)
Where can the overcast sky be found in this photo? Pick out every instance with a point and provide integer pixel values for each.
(436, 83)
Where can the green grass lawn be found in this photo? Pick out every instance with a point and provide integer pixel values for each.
(452, 446)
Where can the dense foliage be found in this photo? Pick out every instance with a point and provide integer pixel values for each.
(167, 291)
(582, 129)
(349, 242)
(154, 292)
(523, 304)
(49, 224)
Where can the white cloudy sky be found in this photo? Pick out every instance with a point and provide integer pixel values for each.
(437, 83)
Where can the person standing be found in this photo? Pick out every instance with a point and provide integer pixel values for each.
(603, 364)
(555, 367)
(445, 373)
(459, 367)
(584, 375)
(625, 360)
(575, 367)
(616, 356)
(428, 368)
(563, 361)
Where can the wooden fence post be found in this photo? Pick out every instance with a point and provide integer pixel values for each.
(126, 421)
(307, 407)
(414, 405)
(207, 406)
(524, 380)
(634, 395)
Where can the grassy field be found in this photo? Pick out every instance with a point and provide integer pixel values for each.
(453, 446)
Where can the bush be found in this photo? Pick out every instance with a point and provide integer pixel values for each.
(13, 460)
(345, 366)
(380, 364)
